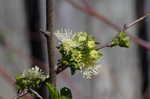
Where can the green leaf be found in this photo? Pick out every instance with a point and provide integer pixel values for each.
(53, 91)
(65, 93)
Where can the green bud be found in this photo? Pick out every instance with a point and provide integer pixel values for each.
(91, 44)
(94, 54)
(122, 40)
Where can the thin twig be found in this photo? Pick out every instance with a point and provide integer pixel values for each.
(86, 3)
(34, 92)
(109, 44)
(127, 26)
(7, 76)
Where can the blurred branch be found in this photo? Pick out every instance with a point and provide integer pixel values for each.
(109, 44)
(94, 13)
(87, 4)
(127, 26)
(6, 76)
(102, 18)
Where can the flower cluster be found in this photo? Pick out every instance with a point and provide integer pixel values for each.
(30, 79)
(121, 40)
(79, 52)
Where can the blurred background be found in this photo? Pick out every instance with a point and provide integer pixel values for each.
(124, 73)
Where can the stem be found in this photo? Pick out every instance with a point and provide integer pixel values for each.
(50, 24)
(127, 26)
(50, 48)
(109, 44)
(34, 92)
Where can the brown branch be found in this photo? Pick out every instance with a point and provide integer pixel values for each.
(102, 18)
(50, 26)
(86, 3)
(109, 44)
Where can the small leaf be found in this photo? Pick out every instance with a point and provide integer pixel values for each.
(53, 91)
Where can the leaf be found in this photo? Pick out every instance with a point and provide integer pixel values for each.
(65, 93)
(53, 91)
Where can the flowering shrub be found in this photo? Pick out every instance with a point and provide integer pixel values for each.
(79, 52)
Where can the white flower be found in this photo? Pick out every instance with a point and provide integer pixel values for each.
(64, 34)
(90, 72)
(33, 73)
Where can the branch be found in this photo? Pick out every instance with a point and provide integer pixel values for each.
(50, 49)
(102, 18)
(86, 2)
(37, 95)
(7, 76)
(109, 44)
(126, 26)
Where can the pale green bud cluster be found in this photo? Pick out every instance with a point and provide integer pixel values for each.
(79, 52)
(121, 40)
(30, 78)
